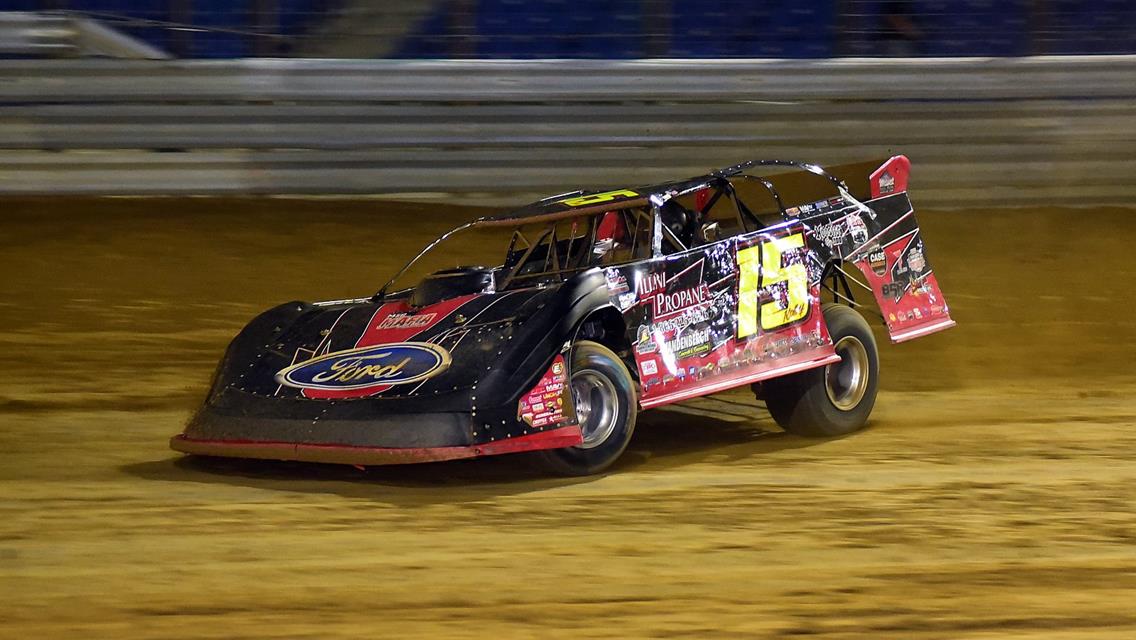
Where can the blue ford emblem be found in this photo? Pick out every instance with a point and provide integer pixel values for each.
(396, 363)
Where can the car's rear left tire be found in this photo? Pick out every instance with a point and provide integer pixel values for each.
(604, 396)
(835, 399)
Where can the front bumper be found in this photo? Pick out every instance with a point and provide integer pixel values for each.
(367, 455)
(325, 432)
(394, 430)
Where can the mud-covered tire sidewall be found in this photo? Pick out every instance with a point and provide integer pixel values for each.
(800, 403)
(578, 461)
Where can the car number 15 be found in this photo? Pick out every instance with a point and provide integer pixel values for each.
(762, 266)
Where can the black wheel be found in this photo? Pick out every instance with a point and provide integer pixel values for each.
(604, 395)
(835, 399)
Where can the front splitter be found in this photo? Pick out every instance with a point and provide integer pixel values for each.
(372, 456)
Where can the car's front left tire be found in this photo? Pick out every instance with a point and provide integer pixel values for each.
(603, 393)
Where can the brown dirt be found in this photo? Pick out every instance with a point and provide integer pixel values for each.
(992, 496)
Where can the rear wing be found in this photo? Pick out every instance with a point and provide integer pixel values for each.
(882, 239)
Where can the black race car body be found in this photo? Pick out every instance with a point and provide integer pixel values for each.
(692, 288)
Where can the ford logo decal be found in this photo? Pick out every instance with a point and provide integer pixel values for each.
(382, 364)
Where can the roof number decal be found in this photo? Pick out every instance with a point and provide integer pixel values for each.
(598, 198)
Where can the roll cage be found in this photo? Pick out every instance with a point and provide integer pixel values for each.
(564, 243)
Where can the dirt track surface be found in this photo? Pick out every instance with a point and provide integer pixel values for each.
(992, 496)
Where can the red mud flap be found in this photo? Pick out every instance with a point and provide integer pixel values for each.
(370, 456)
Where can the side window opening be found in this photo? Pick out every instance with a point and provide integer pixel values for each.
(620, 237)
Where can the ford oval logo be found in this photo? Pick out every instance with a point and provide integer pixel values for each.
(382, 364)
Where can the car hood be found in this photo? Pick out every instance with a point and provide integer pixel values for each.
(375, 349)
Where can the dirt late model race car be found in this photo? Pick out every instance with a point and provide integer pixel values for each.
(605, 304)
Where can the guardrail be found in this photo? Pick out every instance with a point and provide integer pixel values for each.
(979, 131)
(35, 34)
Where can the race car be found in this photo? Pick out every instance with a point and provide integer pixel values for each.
(603, 304)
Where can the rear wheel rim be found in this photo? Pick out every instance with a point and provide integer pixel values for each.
(597, 406)
(846, 382)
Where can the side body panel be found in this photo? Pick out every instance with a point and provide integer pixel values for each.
(726, 314)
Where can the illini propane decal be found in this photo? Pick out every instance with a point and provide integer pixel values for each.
(396, 363)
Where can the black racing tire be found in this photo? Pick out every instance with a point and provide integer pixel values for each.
(836, 399)
(604, 396)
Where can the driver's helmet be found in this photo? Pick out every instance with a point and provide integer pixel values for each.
(681, 221)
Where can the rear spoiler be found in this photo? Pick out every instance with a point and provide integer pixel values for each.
(895, 263)
(885, 243)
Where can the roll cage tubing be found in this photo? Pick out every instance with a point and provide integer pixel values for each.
(719, 180)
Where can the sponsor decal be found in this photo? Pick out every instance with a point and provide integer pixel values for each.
(887, 183)
(544, 404)
(407, 321)
(643, 341)
(682, 321)
(683, 292)
(792, 211)
(916, 261)
(877, 260)
(649, 367)
(857, 228)
(893, 290)
(688, 345)
(651, 283)
(831, 234)
(616, 281)
(625, 301)
(669, 304)
(383, 364)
